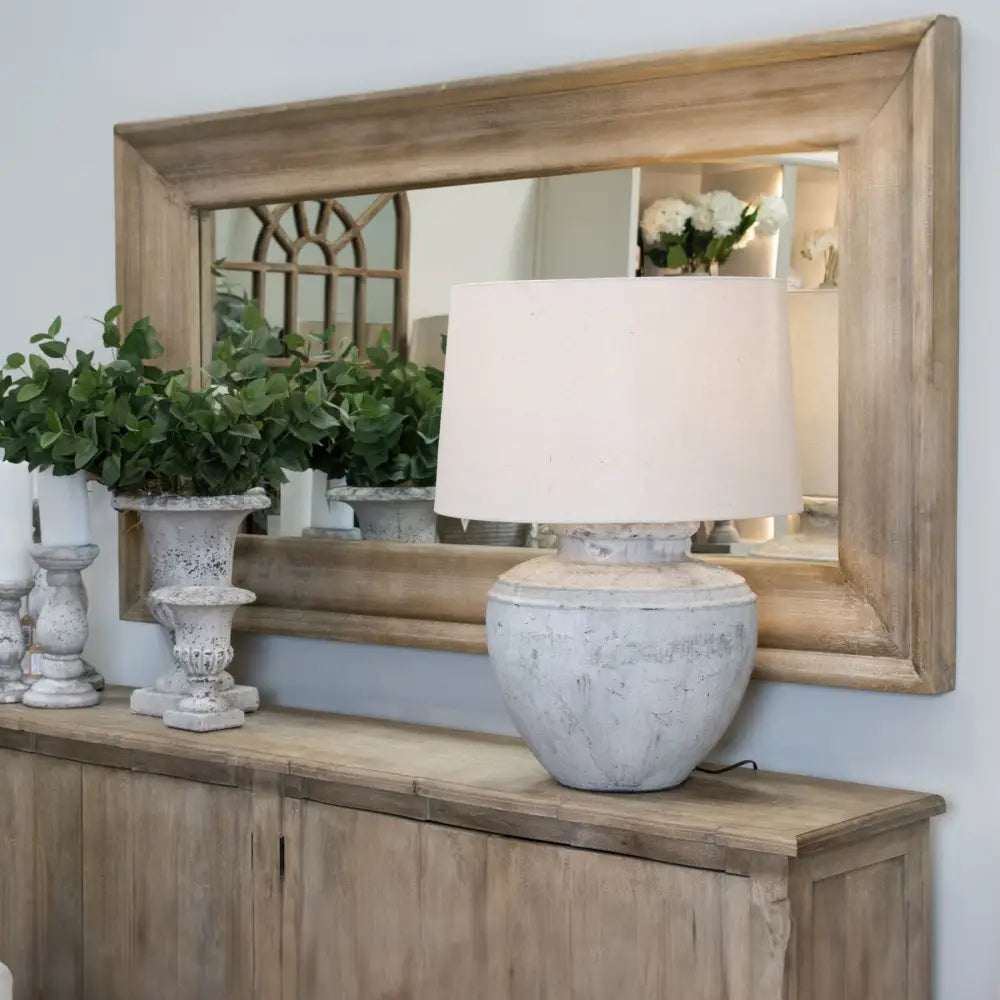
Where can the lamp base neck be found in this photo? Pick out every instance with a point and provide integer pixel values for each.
(625, 544)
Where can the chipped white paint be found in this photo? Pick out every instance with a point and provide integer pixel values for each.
(203, 618)
(622, 660)
(12, 647)
(191, 541)
(61, 630)
(390, 513)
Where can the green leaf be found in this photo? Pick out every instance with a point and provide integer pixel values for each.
(252, 317)
(52, 420)
(322, 420)
(112, 336)
(676, 257)
(111, 470)
(15, 360)
(55, 326)
(49, 438)
(29, 392)
(85, 451)
(255, 407)
(54, 348)
(113, 313)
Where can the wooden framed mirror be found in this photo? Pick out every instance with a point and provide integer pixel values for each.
(879, 614)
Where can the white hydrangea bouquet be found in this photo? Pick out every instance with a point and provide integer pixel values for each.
(687, 237)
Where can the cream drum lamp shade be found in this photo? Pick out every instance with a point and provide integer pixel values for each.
(618, 400)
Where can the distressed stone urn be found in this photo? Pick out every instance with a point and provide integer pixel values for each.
(391, 513)
(621, 659)
(191, 542)
(203, 619)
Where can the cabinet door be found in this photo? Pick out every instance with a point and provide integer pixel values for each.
(381, 907)
(40, 875)
(167, 888)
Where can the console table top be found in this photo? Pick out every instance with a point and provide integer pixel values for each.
(476, 781)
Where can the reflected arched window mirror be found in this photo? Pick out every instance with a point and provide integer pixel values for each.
(336, 268)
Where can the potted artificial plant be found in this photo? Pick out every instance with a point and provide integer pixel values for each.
(385, 450)
(192, 461)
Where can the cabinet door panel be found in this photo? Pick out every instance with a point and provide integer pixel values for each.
(168, 888)
(354, 932)
(40, 875)
(382, 907)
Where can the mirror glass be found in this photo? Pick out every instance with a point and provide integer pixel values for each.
(347, 269)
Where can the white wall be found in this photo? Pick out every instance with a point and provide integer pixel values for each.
(69, 70)
(471, 232)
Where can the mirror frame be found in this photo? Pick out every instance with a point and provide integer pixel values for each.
(885, 96)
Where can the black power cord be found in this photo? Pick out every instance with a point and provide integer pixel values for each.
(728, 767)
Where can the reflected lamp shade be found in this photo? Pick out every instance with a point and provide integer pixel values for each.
(618, 400)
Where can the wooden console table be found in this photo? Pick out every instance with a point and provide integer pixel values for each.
(313, 857)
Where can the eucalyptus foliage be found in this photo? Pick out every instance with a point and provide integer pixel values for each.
(140, 429)
(389, 411)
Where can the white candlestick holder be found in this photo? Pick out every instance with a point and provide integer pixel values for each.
(61, 630)
(12, 647)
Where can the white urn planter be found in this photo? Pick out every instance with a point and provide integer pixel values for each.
(390, 513)
(621, 660)
(203, 620)
(191, 542)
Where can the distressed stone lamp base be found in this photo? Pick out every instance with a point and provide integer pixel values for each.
(621, 660)
(12, 648)
(61, 630)
(203, 620)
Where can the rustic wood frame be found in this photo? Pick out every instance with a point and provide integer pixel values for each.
(886, 96)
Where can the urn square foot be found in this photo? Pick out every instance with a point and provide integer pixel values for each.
(50, 693)
(203, 722)
(244, 697)
(149, 701)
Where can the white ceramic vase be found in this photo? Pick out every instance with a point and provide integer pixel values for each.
(391, 513)
(622, 661)
(191, 542)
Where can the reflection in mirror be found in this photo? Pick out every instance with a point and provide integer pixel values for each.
(344, 270)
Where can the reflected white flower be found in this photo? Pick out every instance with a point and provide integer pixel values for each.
(772, 214)
(665, 216)
(718, 212)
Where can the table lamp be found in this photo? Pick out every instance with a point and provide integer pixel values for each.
(621, 412)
